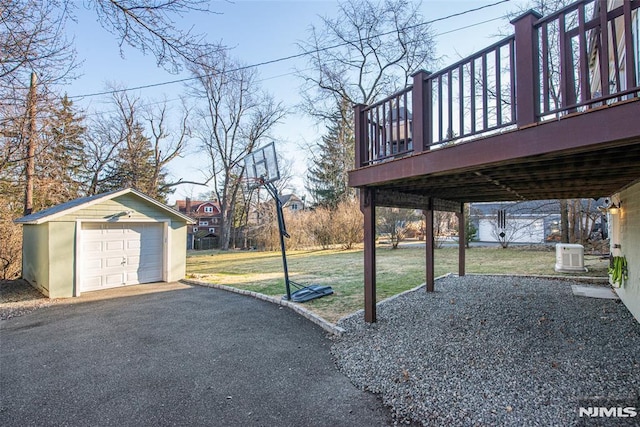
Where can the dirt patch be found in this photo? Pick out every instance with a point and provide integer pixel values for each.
(18, 297)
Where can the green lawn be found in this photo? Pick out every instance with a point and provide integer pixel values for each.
(397, 270)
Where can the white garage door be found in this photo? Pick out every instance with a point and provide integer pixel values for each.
(120, 254)
(517, 231)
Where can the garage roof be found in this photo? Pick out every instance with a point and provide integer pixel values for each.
(83, 202)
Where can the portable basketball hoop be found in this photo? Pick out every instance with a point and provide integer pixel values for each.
(261, 170)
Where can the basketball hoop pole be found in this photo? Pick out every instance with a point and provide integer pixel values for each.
(261, 169)
(283, 233)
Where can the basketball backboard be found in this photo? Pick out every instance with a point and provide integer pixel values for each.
(261, 166)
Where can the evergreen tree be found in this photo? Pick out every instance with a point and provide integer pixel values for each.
(59, 165)
(135, 166)
(327, 179)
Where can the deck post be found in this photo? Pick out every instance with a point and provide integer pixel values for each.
(368, 208)
(526, 76)
(421, 102)
(462, 241)
(430, 247)
(360, 135)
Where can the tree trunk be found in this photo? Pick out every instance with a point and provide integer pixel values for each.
(30, 166)
(564, 221)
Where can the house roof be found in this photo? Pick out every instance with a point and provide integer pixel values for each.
(62, 209)
(286, 198)
(181, 205)
(204, 233)
(529, 207)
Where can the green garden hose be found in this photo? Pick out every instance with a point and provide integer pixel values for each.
(618, 270)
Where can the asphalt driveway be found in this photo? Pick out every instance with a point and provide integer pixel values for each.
(187, 356)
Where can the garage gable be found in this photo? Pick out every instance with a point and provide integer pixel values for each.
(114, 205)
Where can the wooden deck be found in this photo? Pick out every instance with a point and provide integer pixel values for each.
(530, 117)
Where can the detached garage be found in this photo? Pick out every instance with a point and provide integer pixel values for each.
(104, 241)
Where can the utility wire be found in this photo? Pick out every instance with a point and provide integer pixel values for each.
(88, 114)
(305, 53)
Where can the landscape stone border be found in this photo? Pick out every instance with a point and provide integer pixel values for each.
(338, 331)
(327, 326)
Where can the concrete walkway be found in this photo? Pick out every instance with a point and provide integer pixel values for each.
(171, 354)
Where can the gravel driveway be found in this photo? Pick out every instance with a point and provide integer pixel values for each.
(500, 351)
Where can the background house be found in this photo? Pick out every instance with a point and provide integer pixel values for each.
(204, 233)
(292, 202)
(521, 222)
(535, 221)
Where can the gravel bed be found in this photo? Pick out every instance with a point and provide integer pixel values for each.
(488, 350)
(17, 298)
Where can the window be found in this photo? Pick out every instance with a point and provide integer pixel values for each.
(203, 223)
(212, 230)
(294, 206)
(208, 209)
(195, 229)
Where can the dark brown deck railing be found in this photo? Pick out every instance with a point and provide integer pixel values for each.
(578, 58)
(472, 96)
(388, 126)
(584, 52)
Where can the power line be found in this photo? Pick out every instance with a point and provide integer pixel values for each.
(305, 53)
(88, 114)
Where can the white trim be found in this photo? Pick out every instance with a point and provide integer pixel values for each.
(78, 257)
(125, 220)
(166, 240)
(102, 198)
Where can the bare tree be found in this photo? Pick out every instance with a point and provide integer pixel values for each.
(33, 48)
(369, 50)
(234, 118)
(443, 225)
(394, 221)
(101, 148)
(151, 27)
(132, 147)
(32, 39)
(581, 220)
(168, 143)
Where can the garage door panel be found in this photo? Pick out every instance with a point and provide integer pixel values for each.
(151, 251)
(93, 282)
(93, 246)
(111, 262)
(114, 245)
(112, 280)
(132, 277)
(93, 264)
(120, 254)
(116, 229)
(148, 276)
(133, 244)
